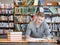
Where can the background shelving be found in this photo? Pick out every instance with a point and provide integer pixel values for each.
(22, 12)
(6, 19)
(52, 13)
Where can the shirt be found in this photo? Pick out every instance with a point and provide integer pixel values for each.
(41, 31)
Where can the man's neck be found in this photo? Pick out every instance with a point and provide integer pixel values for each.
(37, 24)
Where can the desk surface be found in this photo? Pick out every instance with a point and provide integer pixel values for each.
(25, 42)
(30, 43)
(8, 40)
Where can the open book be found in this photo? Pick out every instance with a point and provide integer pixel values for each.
(35, 39)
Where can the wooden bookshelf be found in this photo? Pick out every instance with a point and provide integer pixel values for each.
(5, 21)
(22, 23)
(6, 12)
(53, 22)
(23, 14)
(46, 7)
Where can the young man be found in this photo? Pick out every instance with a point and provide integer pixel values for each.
(38, 28)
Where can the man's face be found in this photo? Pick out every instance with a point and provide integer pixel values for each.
(40, 19)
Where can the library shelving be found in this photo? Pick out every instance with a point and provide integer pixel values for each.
(24, 11)
(52, 13)
(6, 19)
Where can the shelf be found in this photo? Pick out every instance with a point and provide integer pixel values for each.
(5, 21)
(53, 14)
(23, 14)
(27, 5)
(51, 5)
(7, 8)
(54, 22)
(6, 14)
(21, 23)
(6, 27)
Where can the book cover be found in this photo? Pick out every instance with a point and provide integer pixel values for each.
(28, 2)
(17, 27)
(11, 24)
(41, 2)
(24, 10)
(33, 10)
(53, 10)
(16, 18)
(18, 10)
(1, 31)
(23, 27)
(20, 19)
(24, 19)
(36, 2)
(18, 2)
(11, 18)
(58, 10)
(28, 18)
(41, 9)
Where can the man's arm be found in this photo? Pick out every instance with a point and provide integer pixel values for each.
(47, 32)
(28, 31)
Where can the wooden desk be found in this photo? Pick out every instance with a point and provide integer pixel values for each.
(25, 42)
(8, 40)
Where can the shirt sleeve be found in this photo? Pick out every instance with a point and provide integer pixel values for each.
(47, 32)
(28, 31)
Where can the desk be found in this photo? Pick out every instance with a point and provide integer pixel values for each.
(7, 40)
(29, 43)
(24, 42)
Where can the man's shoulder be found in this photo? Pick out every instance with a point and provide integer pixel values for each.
(31, 23)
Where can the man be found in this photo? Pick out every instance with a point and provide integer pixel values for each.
(38, 28)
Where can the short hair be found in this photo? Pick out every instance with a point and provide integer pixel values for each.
(40, 14)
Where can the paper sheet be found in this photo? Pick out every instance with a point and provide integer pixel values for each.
(35, 39)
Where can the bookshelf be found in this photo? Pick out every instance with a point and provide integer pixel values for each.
(6, 19)
(52, 14)
(24, 11)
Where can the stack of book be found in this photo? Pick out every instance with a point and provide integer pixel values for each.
(23, 19)
(41, 2)
(50, 10)
(48, 19)
(1, 31)
(18, 2)
(2, 18)
(6, 24)
(15, 36)
(6, 18)
(6, 8)
(27, 2)
(46, 10)
(11, 24)
(53, 10)
(21, 27)
(56, 19)
(5, 31)
(58, 10)
(10, 18)
(25, 10)
(55, 3)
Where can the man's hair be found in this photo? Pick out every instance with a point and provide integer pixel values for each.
(40, 14)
